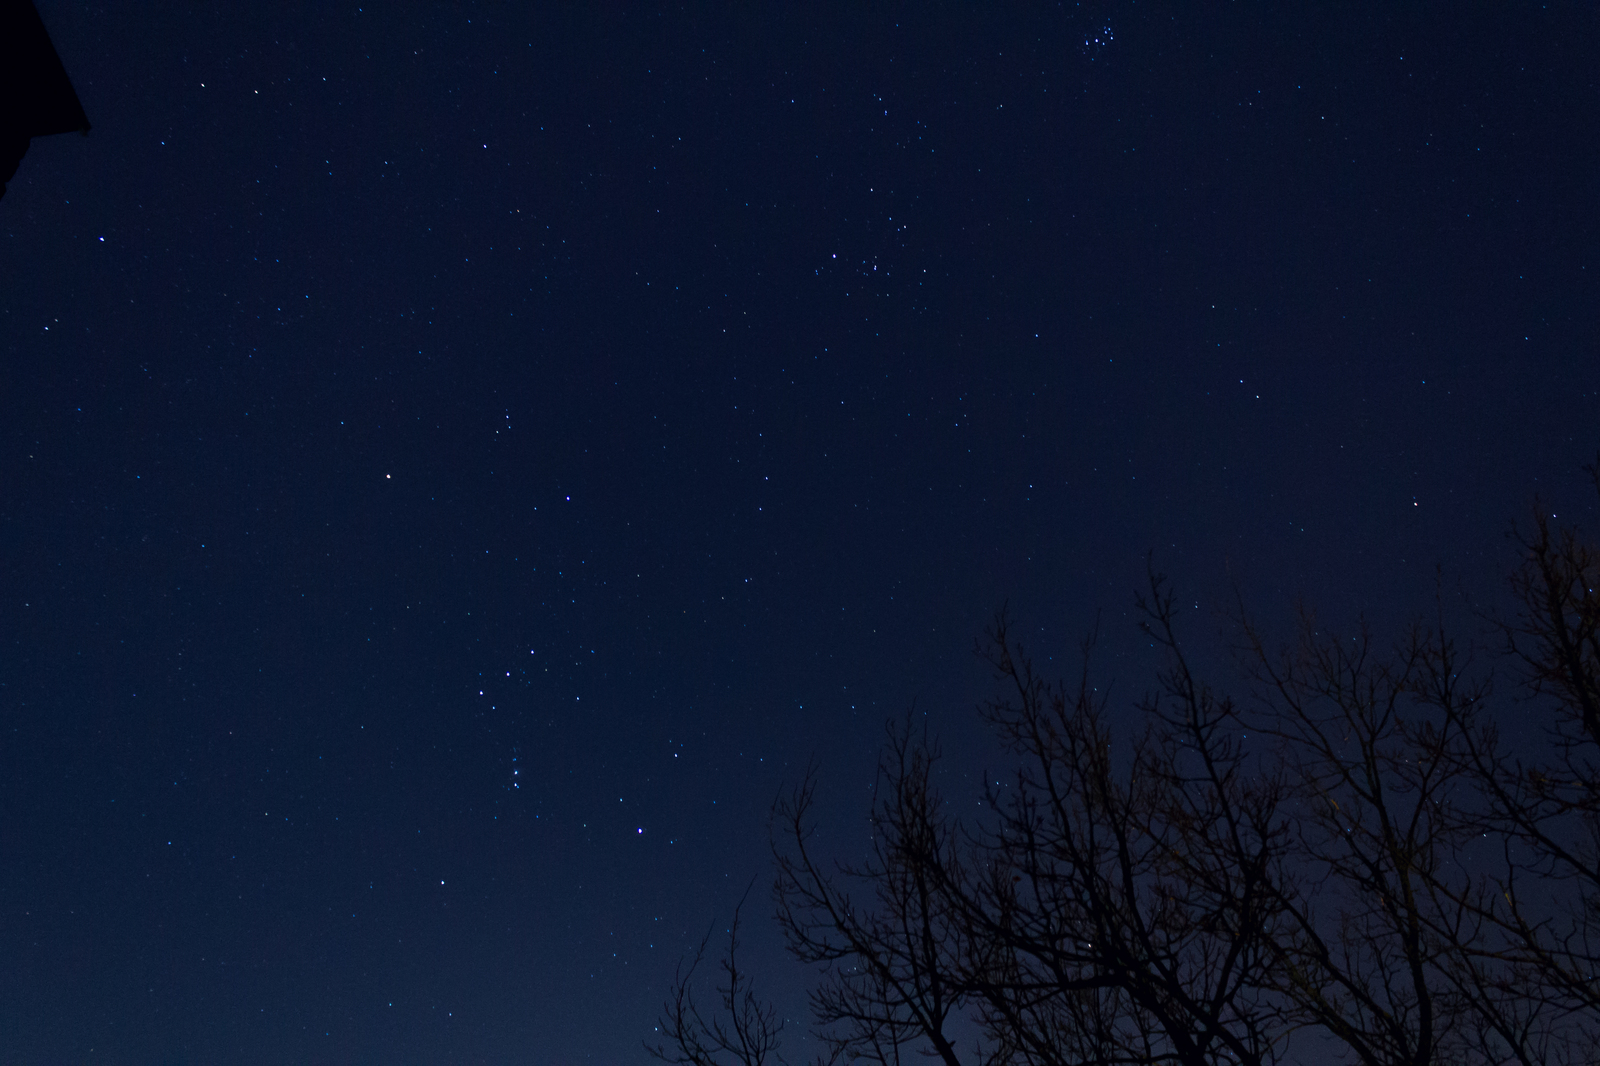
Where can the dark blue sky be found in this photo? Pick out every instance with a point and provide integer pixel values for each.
(458, 465)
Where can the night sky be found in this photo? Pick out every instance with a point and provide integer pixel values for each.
(459, 464)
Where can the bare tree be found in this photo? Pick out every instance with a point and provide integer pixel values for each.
(1133, 906)
(1093, 918)
(1371, 744)
(1350, 863)
(1541, 907)
(745, 1031)
(890, 954)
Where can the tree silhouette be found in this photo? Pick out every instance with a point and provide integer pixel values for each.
(744, 1030)
(1347, 864)
(1540, 906)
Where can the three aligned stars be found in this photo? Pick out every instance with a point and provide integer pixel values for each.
(516, 771)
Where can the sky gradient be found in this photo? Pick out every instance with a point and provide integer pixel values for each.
(459, 464)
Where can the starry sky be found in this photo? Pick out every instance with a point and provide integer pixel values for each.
(459, 462)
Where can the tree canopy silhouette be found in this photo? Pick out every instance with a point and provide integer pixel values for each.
(1345, 862)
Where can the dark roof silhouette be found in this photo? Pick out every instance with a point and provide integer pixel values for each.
(36, 96)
